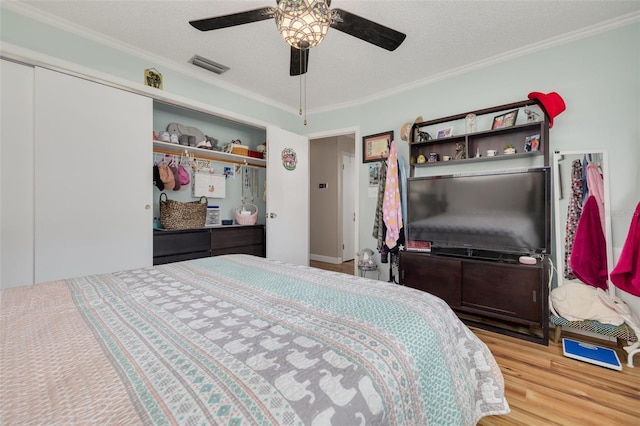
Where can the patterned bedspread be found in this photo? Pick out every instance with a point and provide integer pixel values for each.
(239, 340)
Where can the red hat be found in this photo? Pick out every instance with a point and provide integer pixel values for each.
(552, 104)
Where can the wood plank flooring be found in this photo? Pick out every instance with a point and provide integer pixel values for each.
(544, 387)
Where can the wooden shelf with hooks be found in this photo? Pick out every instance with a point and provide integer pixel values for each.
(206, 154)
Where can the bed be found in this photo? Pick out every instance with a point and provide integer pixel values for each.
(239, 340)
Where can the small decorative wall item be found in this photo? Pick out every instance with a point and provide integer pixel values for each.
(470, 123)
(505, 120)
(374, 174)
(289, 159)
(376, 147)
(153, 78)
(206, 184)
(433, 157)
(445, 133)
(532, 143)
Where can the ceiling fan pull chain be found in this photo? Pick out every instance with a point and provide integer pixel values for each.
(305, 99)
(300, 86)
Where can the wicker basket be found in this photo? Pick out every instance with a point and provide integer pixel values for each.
(250, 219)
(177, 215)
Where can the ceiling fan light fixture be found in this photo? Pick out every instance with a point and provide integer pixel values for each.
(209, 65)
(303, 23)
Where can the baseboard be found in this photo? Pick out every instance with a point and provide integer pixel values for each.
(325, 259)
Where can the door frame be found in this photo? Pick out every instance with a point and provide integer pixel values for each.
(355, 131)
(348, 192)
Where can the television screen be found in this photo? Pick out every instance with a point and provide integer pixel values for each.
(505, 211)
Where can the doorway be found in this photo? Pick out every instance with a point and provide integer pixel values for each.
(333, 196)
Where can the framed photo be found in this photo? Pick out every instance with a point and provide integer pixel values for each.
(445, 133)
(532, 143)
(376, 147)
(505, 120)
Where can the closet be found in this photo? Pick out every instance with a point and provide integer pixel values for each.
(78, 199)
(76, 194)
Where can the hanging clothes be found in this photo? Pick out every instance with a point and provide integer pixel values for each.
(378, 222)
(585, 188)
(573, 215)
(403, 194)
(626, 274)
(589, 254)
(392, 206)
(595, 183)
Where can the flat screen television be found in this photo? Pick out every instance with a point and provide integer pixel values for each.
(505, 211)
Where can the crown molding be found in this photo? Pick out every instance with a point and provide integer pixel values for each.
(54, 21)
(612, 24)
(57, 22)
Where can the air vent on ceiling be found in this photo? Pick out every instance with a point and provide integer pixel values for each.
(209, 65)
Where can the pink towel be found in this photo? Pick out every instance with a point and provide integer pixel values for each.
(391, 206)
(626, 274)
(589, 254)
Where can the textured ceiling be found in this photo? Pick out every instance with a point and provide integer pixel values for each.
(442, 36)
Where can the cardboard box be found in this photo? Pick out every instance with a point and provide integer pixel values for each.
(240, 149)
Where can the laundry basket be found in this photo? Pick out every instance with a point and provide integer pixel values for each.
(246, 218)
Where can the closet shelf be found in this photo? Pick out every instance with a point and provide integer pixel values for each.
(206, 154)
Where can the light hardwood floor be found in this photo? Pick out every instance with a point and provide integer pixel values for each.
(544, 387)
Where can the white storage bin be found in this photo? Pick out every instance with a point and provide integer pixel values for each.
(213, 216)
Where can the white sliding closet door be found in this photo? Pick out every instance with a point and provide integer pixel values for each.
(16, 174)
(93, 178)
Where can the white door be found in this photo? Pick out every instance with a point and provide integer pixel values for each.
(93, 174)
(16, 174)
(287, 196)
(348, 208)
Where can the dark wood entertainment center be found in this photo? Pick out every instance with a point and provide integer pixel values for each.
(509, 298)
(501, 295)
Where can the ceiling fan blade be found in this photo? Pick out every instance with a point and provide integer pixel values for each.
(225, 21)
(299, 61)
(367, 30)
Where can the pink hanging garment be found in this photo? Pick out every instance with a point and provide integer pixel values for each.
(589, 255)
(391, 206)
(626, 274)
(595, 183)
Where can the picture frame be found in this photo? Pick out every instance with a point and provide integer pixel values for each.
(445, 133)
(376, 147)
(532, 143)
(507, 119)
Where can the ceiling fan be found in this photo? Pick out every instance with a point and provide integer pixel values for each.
(304, 23)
